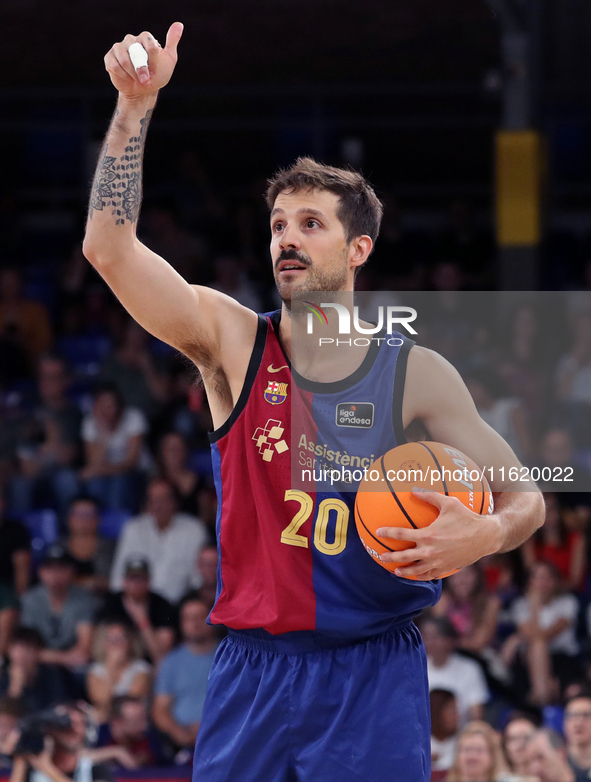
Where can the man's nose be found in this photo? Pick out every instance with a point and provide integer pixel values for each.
(289, 238)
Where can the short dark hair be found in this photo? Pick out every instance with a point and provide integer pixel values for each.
(14, 707)
(105, 387)
(84, 498)
(27, 636)
(360, 210)
(443, 625)
(192, 597)
(118, 703)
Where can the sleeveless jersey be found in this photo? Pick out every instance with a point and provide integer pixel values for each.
(292, 560)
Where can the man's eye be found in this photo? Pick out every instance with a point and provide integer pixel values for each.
(277, 227)
(312, 224)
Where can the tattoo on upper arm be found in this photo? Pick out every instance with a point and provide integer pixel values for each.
(118, 181)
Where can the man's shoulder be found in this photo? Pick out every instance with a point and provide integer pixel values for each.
(465, 669)
(78, 595)
(186, 521)
(34, 596)
(458, 666)
(138, 523)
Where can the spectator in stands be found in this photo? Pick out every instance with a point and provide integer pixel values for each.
(15, 560)
(516, 737)
(26, 678)
(128, 727)
(23, 321)
(207, 564)
(207, 503)
(182, 679)
(468, 606)
(11, 710)
(555, 542)
(50, 447)
(170, 541)
(448, 670)
(173, 467)
(61, 611)
(478, 757)
(547, 761)
(545, 638)
(557, 452)
(132, 368)
(577, 732)
(91, 554)
(184, 250)
(117, 668)
(114, 446)
(504, 413)
(67, 756)
(152, 616)
(444, 729)
(573, 374)
(229, 278)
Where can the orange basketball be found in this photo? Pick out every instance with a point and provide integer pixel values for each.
(385, 499)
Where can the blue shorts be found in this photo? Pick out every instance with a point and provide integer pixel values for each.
(282, 710)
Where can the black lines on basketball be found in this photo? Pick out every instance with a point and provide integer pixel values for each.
(370, 533)
(435, 459)
(483, 491)
(393, 493)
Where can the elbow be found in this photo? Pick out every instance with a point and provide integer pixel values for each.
(540, 515)
(89, 251)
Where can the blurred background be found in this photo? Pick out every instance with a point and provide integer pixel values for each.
(472, 118)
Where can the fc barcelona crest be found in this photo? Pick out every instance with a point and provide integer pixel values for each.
(276, 393)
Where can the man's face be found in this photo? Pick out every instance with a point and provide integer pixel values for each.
(136, 585)
(194, 628)
(161, 501)
(543, 761)
(133, 722)
(56, 575)
(307, 234)
(436, 645)
(207, 563)
(577, 722)
(52, 379)
(83, 517)
(517, 737)
(557, 448)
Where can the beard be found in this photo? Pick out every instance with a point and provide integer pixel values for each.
(333, 278)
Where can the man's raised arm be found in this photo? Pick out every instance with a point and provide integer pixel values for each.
(156, 296)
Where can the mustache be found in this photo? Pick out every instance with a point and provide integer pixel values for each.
(292, 255)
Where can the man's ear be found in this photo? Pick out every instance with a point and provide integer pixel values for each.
(361, 247)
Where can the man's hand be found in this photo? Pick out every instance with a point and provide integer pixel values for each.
(457, 537)
(150, 79)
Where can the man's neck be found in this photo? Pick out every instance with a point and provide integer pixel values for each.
(57, 597)
(581, 754)
(201, 647)
(440, 660)
(163, 523)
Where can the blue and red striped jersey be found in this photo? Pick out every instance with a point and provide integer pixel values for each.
(290, 556)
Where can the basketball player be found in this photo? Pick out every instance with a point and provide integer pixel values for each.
(322, 676)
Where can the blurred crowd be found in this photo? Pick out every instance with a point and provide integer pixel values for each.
(108, 559)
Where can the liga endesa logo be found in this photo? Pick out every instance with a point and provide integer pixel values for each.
(389, 317)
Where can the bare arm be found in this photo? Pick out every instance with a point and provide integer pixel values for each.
(210, 328)
(437, 395)
(77, 655)
(21, 561)
(164, 721)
